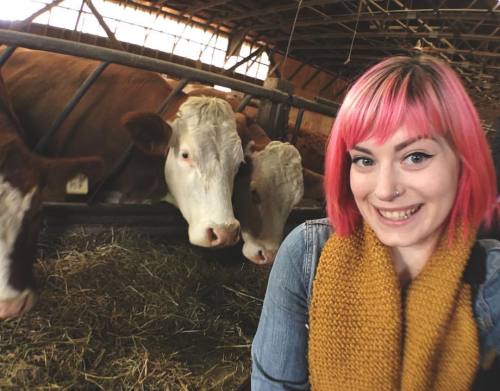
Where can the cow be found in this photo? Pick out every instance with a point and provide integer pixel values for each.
(188, 156)
(22, 176)
(274, 182)
(265, 196)
(151, 141)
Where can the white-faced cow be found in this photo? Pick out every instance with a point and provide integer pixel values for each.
(22, 175)
(196, 173)
(268, 189)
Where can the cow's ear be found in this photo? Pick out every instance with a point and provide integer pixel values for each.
(56, 172)
(250, 149)
(313, 185)
(149, 132)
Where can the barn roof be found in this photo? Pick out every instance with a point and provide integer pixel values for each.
(343, 38)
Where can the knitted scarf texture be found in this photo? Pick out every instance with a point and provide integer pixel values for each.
(365, 336)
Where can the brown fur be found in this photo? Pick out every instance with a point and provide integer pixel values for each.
(41, 83)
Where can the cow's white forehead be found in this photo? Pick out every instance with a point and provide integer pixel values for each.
(205, 109)
(208, 125)
(13, 206)
(281, 164)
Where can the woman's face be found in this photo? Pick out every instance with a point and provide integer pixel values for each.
(405, 188)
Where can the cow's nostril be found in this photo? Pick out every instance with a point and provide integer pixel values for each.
(261, 256)
(237, 233)
(211, 235)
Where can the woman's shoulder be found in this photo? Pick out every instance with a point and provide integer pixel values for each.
(303, 246)
(492, 250)
(307, 234)
(487, 304)
(490, 288)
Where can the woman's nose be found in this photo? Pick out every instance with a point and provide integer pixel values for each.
(388, 184)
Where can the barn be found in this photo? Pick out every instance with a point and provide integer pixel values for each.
(152, 248)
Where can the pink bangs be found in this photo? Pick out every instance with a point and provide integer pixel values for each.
(427, 98)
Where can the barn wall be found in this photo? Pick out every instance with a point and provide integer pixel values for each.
(313, 122)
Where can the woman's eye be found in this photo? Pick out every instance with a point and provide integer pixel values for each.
(362, 161)
(417, 158)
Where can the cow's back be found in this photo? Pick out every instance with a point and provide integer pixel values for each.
(42, 83)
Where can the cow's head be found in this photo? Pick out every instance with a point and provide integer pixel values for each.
(204, 156)
(264, 198)
(22, 176)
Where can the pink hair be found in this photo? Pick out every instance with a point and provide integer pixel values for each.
(426, 96)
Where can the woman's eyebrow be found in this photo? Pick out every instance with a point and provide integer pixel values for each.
(406, 143)
(410, 141)
(398, 147)
(361, 149)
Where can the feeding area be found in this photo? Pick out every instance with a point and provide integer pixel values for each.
(119, 310)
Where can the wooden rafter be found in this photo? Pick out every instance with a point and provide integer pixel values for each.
(277, 9)
(29, 19)
(391, 34)
(480, 16)
(203, 6)
(103, 24)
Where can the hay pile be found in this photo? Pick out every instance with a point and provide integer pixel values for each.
(122, 311)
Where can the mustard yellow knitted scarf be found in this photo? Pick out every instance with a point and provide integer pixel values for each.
(365, 336)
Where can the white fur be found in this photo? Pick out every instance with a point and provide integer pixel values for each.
(201, 188)
(277, 178)
(13, 206)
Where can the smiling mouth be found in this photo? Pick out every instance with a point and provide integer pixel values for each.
(399, 215)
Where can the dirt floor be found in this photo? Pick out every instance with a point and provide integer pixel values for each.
(122, 311)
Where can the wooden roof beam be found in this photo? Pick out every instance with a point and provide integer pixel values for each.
(296, 71)
(100, 19)
(311, 78)
(391, 34)
(23, 23)
(202, 6)
(330, 82)
(276, 9)
(257, 52)
(480, 16)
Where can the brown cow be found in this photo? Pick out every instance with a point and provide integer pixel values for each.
(196, 174)
(264, 198)
(22, 175)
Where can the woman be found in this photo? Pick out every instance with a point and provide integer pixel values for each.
(398, 295)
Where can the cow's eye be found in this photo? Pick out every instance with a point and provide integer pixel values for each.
(255, 197)
(185, 155)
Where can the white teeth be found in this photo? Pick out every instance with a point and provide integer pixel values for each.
(398, 215)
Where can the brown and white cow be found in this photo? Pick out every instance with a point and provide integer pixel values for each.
(204, 150)
(22, 175)
(273, 183)
(276, 183)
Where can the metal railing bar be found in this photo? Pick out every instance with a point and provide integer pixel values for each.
(7, 52)
(179, 87)
(298, 122)
(32, 41)
(42, 144)
(244, 103)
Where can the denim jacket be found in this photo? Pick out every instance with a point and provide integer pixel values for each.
(279, 349)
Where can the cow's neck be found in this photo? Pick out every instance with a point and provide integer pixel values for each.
(13, 207)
